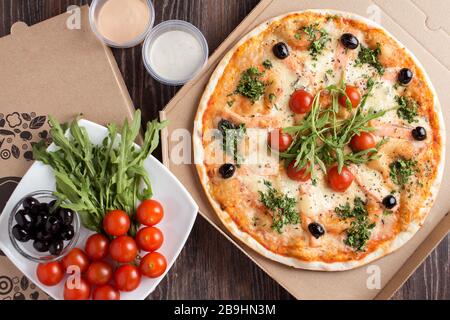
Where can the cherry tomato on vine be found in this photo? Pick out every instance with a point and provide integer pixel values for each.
(340, 182)
(77, 291)
(363, 141)
(353, 94)
(150, 212)
(76, 257)
(116, 223)
(99, 273)
(149, 238)
(106, 292)
(127, 277)
(279, 140)
(297, 175)
(50, 274)
(301, 101)
(123, 249)
(97, 246)
(153, 265)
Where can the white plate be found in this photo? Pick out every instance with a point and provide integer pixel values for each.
(179, 208)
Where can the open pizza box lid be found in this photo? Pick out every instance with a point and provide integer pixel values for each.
(55, 67)
(422, 28)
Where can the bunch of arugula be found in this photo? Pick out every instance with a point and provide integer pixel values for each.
(322, 137)
(94, 179)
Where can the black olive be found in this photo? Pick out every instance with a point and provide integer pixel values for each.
(281, 50)
(67, 233)
(56, 247)
(20, 233)
(405, 76)
(52, 225)
(389, 201)
(316, 230)
(51, 205)
(44, 207)
(29, 202)
(41, 246)
(65, 216)
(25, 219)
(419, 133)
(227, 170)
(42, 235)
(349, 41)
(40, 220)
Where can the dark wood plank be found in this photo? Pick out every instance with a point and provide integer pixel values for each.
(209, 267)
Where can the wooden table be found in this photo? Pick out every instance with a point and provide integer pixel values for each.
(210, 267)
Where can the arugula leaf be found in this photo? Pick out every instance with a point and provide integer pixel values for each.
(94, 179)
(282, 207)
(321, 138)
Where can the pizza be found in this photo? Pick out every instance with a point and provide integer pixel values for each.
(319, 141)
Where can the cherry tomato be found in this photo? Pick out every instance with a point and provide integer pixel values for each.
(150, 212)
(50, 274)
(106, 292)
(353, 94)
(153, 265)
(149, 238)
(301, 101)
(97, 246)
(116, 223)
(80, 292)
(127, 277)
(340, 182)
(279, 140)
(76, 257)
(123, 249)
(363, 141)
(99, 273)
(299, 175)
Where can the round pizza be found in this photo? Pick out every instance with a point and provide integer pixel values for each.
(319, 141)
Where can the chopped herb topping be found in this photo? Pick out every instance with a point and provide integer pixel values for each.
(401, 171)
(250, 85)
(232, 134)
(360, 228)
(408, 109)
(282, 207)
(230, 103)
(267, 64)
(272, 97)
(318, 38)
(369, 56)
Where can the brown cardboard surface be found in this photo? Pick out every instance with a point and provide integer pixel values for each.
(49, 69)
(422, 29)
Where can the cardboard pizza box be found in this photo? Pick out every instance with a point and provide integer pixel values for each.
(54, 68)
(422, 26)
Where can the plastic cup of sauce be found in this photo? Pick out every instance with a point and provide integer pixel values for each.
(174, 52)
(121, 23)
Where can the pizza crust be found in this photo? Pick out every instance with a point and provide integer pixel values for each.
(400, 239)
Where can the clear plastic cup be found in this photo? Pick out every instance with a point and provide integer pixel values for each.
(172, 25)
(94, 10)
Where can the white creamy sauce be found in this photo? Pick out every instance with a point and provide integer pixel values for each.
(175, 55)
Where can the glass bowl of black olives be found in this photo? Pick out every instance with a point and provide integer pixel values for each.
(40, 230)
